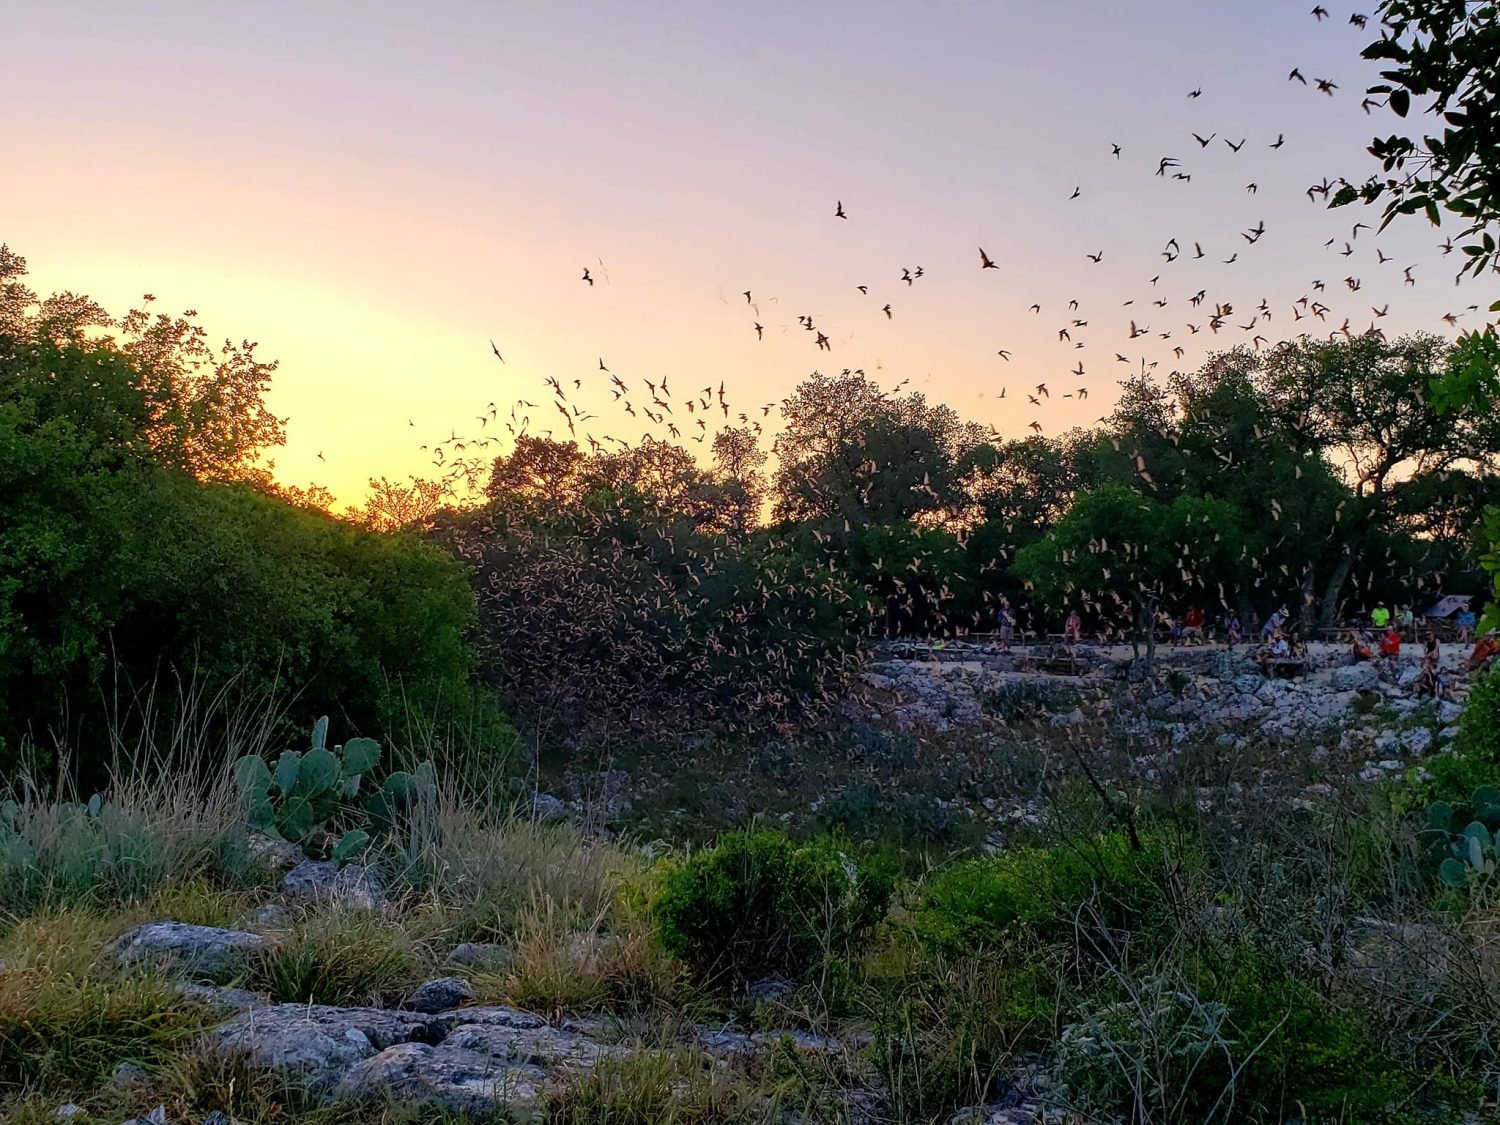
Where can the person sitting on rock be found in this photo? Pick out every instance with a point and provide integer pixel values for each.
(1192, 625)
(1278, 649)
(1273, 623)
(1073, 629)
(1485, 650)
(1466, 622)
(1232, 631)
(1390, 648)
(1359, 648)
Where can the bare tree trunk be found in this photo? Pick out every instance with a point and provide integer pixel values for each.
(1329, 609)
(1307, 615)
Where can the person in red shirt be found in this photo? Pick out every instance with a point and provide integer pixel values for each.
(1485, 649)
(1192, 625)
(1390, 643)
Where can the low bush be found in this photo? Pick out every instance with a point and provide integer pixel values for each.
(758, 904)
(981, 902)
(1479, 728)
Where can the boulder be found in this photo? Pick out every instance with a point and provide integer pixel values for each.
(440, 995)
(273, 854)
(316, 1044)
(1354, 677)
(493, 1016)
(1417, 741)
(318, 881)
(1449, 712)
(199, 951)
(447, 1076)
(544, 1046)
(224, 1001)
(770, 989)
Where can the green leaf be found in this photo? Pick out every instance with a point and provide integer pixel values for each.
(350, 845)
(351, 786)
(95, 805)
(361, 755)
(296, 819)
(319, 773)
(253, 776)
(261, 816)
(320, 733)
(287, 768)
(1452, 873)
(1480, 834)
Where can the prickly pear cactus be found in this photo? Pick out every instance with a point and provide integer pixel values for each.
(295, 799)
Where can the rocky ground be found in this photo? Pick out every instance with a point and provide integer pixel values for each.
(438, 1048)
(1189, 693)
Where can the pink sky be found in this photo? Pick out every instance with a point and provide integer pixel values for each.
(373, 191)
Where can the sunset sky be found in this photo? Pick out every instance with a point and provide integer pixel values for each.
(375, 190)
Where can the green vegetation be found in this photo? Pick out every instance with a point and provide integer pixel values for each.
(758, 904)
(142, 547)
(169, 619)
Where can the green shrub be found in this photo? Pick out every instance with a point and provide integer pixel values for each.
(1479, 729)
(127, 559)
(1236, 1039)
(979, 902)
(1307, 1052)
(757, 904)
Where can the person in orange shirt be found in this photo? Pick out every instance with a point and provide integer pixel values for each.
(1485, 650)
(1390, 648)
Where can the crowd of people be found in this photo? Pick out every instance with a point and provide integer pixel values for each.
(1281, 647)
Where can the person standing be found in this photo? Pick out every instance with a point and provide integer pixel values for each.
(1007, 624)
(1073, 629)
(1408, 624)
(1380, 617)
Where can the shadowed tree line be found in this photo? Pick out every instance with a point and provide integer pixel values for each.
(642, 590)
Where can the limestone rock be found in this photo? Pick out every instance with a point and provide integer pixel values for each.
(200, 951)
(771, 988)
(273, 854)
(540, 1046)
(1354, 677)
(445, 1075)
(315, 1043)
(440, 995)
(354, 886)
(225, 1001)
(1417, 741)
